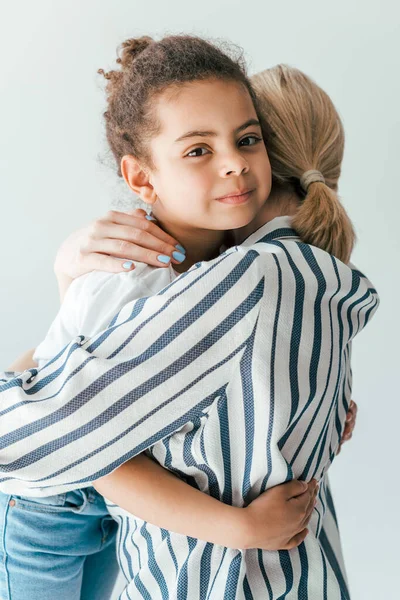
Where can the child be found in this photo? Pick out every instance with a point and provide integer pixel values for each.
(79, 562)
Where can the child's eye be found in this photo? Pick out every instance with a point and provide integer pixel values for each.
(250, 140)
(197, 152)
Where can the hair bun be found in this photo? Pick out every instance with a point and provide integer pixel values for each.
(130, 50)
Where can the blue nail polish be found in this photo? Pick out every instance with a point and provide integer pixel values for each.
(179, 256)
(163, 258)
(127, 264)
(150, 218)
(180, 248)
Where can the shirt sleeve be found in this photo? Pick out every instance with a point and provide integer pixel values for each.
(62, 330)
(103, 400)
(64, 327)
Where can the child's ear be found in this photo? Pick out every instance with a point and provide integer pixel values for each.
(137, 178)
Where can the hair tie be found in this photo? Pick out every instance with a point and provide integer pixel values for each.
(310, 177)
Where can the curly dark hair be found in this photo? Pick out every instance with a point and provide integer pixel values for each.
(148, 68)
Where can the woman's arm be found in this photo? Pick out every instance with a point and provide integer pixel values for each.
(109, 244)
(104, 400)
(134, 237)
(276, 520)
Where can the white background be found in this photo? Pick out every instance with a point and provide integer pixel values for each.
(52, 181)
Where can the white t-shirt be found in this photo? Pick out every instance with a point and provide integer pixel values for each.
(93, 300)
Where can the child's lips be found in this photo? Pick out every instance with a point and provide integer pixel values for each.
(236, 198)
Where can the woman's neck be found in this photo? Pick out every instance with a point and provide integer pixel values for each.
(200, 244)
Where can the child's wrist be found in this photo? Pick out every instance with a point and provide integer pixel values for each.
(232, 527)
(243, 531)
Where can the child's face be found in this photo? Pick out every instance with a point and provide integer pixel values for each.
(209, 147)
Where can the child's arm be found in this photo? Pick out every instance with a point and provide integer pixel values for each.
(23, 362)
(276, 520)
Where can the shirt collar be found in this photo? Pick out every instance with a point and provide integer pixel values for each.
(278, 228)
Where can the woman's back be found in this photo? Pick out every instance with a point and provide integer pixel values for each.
(279, 417)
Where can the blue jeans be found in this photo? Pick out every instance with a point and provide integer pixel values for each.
(57, 548)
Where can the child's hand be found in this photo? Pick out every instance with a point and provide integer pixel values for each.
(128, 236)
(350, 424)
(278, 518)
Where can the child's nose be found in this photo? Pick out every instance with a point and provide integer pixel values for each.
(235, 164)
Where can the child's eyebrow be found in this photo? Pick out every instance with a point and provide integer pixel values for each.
(190, 134)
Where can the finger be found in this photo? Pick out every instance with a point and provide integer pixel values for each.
(350, 421)
(132, 235)
(137, 212)
(304, 503)
(103, 262)
(136, 222)
(304, 515)
(353, 414)
(127, 251)
(296, 488)
(311, 504)
(296, 540)
(349, 427)
(304, 522)
(346, 431)
(353, 408)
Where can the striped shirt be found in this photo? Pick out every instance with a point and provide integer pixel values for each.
(236, 376)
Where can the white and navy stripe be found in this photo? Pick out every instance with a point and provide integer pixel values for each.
(237, 375)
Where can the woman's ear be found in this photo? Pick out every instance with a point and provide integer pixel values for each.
(137, 178)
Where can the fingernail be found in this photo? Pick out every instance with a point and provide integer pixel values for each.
(127, 264)
(180, 248)
(150, 218)
(163, 258)
(179, 256)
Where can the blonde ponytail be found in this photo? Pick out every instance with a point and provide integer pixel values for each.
(304, 135)
(322, 221)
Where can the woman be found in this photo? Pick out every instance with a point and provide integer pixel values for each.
(292, 305)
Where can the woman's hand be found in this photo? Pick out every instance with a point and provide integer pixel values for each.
(112, 243)
(128, 236)
(278, 519)
(349, 426)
